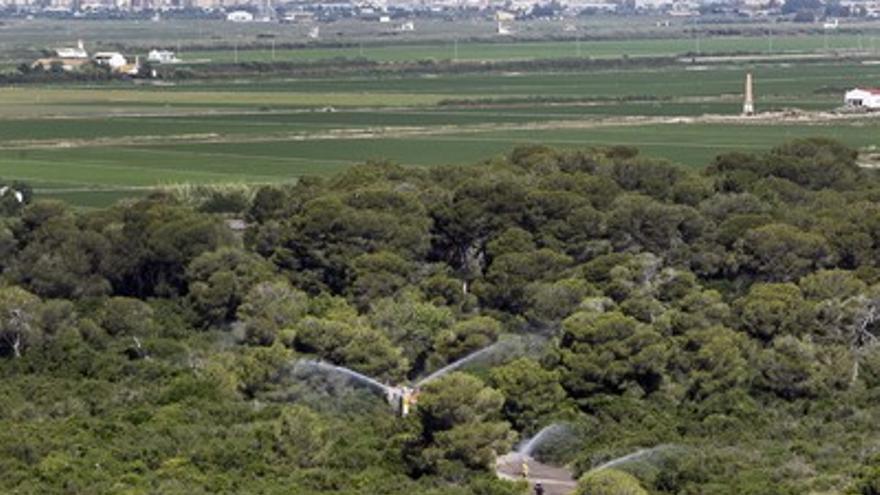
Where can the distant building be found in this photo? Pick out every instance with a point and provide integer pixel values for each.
(240, 16)
(299, 17)
(407, 26)
(114, 60)
(863, 98)
(72, 53)
(831, 25)
(162, 57)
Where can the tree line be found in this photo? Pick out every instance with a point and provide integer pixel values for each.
(732, 311)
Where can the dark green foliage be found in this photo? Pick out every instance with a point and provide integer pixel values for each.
(732, 316)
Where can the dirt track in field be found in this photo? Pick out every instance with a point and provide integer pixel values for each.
(801, 118)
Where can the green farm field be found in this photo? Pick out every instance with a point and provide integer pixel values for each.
(92, 176)
(498, 51)
(93, 145)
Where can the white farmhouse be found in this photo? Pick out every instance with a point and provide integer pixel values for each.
(79, 52)
(868, 98)
(114, 60)
(162, 57)
(240, 16)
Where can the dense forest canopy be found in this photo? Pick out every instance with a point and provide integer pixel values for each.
(733, 313)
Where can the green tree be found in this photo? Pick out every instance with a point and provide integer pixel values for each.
(411, 324)
(783, 253)
(59, 258)
(610, 352)
(19, 324)
(218, 281)
(125, 316)
(460, 424)
(532, 393)
(270, 307)
(352, 344)
(609, 482)
(769, 310)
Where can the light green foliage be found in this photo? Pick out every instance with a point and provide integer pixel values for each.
(19, 324)
(258, 366)
(219, 280)
(461, 427)
(352, 343)
(127, 317)
(610, 482)
(270, 307)
(301, 437)
(610, 352)
(551, 302)
(532, 393)
(769, 310)
(463, 338)
(831, 284)
(412, 324)
(715, 360)
(794, 368)
(378, 275)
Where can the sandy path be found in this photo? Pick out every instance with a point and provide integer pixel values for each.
(802, 118)
(555, 480)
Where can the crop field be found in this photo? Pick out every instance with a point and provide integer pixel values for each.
(93, 145)
(551, 49)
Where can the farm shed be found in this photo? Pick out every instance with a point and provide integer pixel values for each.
(863, 98)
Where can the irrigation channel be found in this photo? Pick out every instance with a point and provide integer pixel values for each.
(515, 466)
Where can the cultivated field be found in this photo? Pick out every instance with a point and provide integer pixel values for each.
(93, 144)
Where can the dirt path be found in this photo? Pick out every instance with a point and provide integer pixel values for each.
(803, 118)
(555, 480)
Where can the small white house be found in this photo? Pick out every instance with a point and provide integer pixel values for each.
(240, 16)
(868, 98)
(114, 60)
(73, 53)
(162, 57)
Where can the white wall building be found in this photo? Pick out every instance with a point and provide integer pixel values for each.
(162, 57)
(868, 98)
(114, 60)
(78, 52)
(240, 16)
